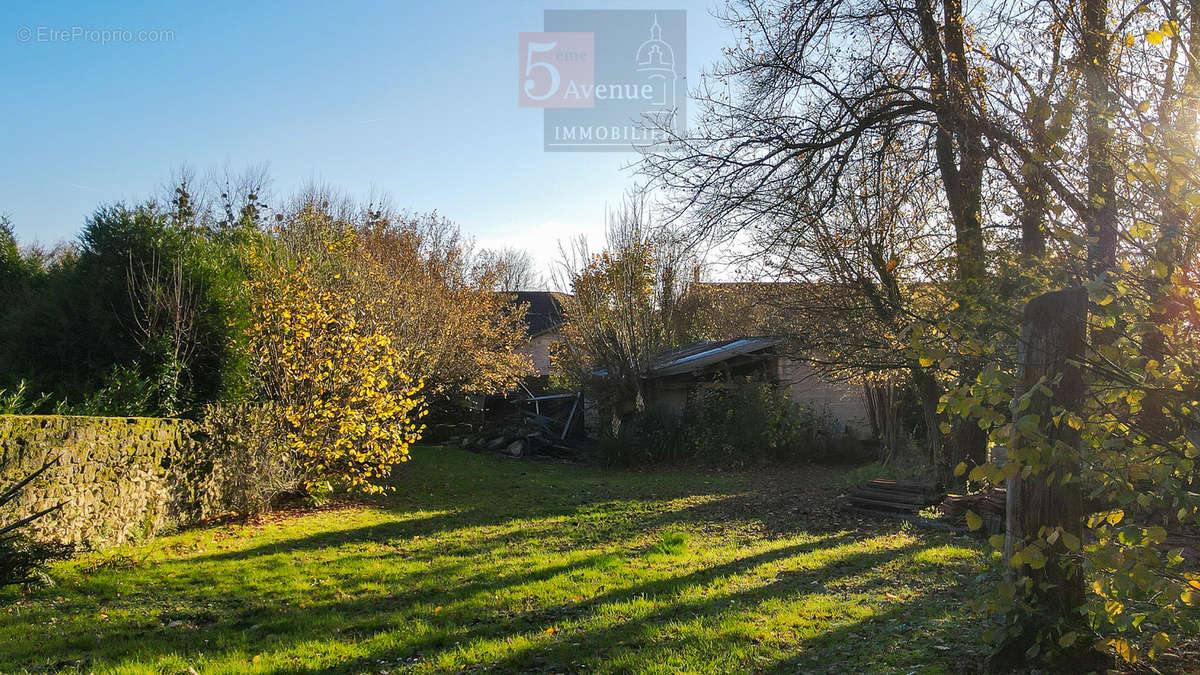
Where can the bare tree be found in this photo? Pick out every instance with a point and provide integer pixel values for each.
(163, 303)
(242, 197)
(512, 269)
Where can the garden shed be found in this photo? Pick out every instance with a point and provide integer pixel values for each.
(675, 373)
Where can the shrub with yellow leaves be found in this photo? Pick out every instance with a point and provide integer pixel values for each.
(349, 409)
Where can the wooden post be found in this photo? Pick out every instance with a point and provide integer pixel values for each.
(1052, 343)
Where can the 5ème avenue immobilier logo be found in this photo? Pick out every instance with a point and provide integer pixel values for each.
(606, 80)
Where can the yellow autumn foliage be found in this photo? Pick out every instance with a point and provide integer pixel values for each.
(349, 408)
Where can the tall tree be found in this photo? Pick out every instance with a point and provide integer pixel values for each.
(810, 91)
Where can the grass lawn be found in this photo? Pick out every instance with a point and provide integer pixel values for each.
(479, 562)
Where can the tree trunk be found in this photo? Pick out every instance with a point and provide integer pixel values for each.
(1051, 345)
(1101, 172)
(930, 394)
(968, 444)
(1033, 196)
(961, 158)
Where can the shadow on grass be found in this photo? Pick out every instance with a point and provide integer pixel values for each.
(652, 511)
(637, 634)
(773, 515)
(932, 640)
(524, 508)
(259, 624)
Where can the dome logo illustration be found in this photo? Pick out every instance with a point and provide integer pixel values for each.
(656, 60)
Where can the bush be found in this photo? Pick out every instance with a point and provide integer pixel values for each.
(732, 424)
(123, 392)
(18, 402)
(349, 408)
(248, 443)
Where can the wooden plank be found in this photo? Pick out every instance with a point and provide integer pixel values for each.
(903, 506)
(928, 498)
(902, 487)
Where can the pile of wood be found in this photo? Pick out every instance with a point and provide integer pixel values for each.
(988, 505)
(894, 497)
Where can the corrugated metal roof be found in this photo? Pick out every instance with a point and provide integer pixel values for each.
(699, 355)
(702, 354)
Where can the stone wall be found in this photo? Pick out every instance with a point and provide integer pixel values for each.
(119, 478)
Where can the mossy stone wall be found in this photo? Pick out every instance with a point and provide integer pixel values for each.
(119, 479)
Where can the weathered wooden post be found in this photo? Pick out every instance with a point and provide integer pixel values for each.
(1052, 344)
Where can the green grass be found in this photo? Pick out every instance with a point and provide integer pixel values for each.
(479, 562)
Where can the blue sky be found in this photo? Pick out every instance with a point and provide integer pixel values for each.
(415, 100)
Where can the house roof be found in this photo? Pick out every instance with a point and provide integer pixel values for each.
(544, 312)
(699, 355)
